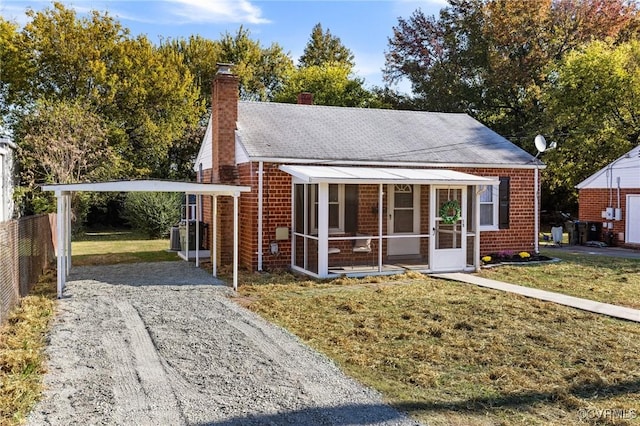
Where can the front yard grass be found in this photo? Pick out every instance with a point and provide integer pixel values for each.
(599, 278)
(119, 246)
(453, 354)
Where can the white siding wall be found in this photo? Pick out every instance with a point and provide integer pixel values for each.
(6, 184)
(627, 168)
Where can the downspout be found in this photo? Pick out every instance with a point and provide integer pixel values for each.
(380, 214)
(476, 225)
(536, 225)
(260, 196)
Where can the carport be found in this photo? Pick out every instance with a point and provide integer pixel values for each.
(63, 225)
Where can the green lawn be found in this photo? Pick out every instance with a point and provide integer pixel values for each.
(111, 247)
(600, 278)
(454, 354)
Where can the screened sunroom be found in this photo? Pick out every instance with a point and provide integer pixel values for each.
(366, 220)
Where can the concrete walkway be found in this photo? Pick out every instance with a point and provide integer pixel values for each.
(619, 252)
(562, 299)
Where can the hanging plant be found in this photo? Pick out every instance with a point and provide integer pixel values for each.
(450, 212)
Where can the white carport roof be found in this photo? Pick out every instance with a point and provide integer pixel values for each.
(362, 175)
(64, 191)
(148, 186)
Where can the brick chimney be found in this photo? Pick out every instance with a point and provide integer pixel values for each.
(224, 110)
(305, 98)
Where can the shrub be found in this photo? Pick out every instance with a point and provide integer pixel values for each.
(152, 212)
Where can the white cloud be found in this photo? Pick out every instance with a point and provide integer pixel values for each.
(217, 11)
(14, 13)
(159, 12)
(405, 8)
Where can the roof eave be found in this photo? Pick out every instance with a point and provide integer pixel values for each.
(529, 165)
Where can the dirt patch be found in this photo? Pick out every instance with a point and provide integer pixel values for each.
(124, 350)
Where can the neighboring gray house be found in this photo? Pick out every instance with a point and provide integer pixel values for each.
(6, 178)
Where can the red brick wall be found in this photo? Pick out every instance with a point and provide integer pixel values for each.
(224, 117)
(277, 213)
(520, 235)
(593, 201)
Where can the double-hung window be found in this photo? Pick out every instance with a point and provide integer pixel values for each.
(336, 208)
(488, 207)
(494, 206)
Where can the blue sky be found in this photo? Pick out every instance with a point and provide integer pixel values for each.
(363, 26)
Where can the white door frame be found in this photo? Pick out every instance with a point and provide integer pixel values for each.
(447, 259)
(406, 245)
(632, 236)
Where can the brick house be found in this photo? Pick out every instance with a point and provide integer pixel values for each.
(611, 196)
(363, 191)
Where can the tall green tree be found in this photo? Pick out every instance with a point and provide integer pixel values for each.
(144, 94)
(261, 70)
(325, 48)
(329, 84)
(592, 108)
(200, 55)
(60, 142)
(325, 70)
(14, 67)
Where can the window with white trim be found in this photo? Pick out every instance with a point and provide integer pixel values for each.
(495, 205)
(336, 208)
(489, 207)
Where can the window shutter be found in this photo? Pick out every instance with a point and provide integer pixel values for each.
(351, 208)
(503, 206)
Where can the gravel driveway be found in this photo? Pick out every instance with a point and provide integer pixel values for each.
(161, 344)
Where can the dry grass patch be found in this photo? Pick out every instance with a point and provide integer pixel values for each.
(22, 351)
(457, 355)
(599, 278)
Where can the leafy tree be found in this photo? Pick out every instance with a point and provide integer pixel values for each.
(472, 59)
(592, 107)
(152, 212)
(67, 57)
(200, 56)
(13, 64)
(60, 142)
(325, 71)
(324, 48)
(156, 105)
(144, 94)
(330, 85)
(261, 70)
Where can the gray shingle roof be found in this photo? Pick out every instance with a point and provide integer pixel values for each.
(310, 132)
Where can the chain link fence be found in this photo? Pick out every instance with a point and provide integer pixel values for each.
(26, 250)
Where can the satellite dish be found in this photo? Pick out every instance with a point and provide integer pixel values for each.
(541, 143)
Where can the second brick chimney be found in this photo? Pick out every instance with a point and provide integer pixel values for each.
(305, 98)
(224, 112)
